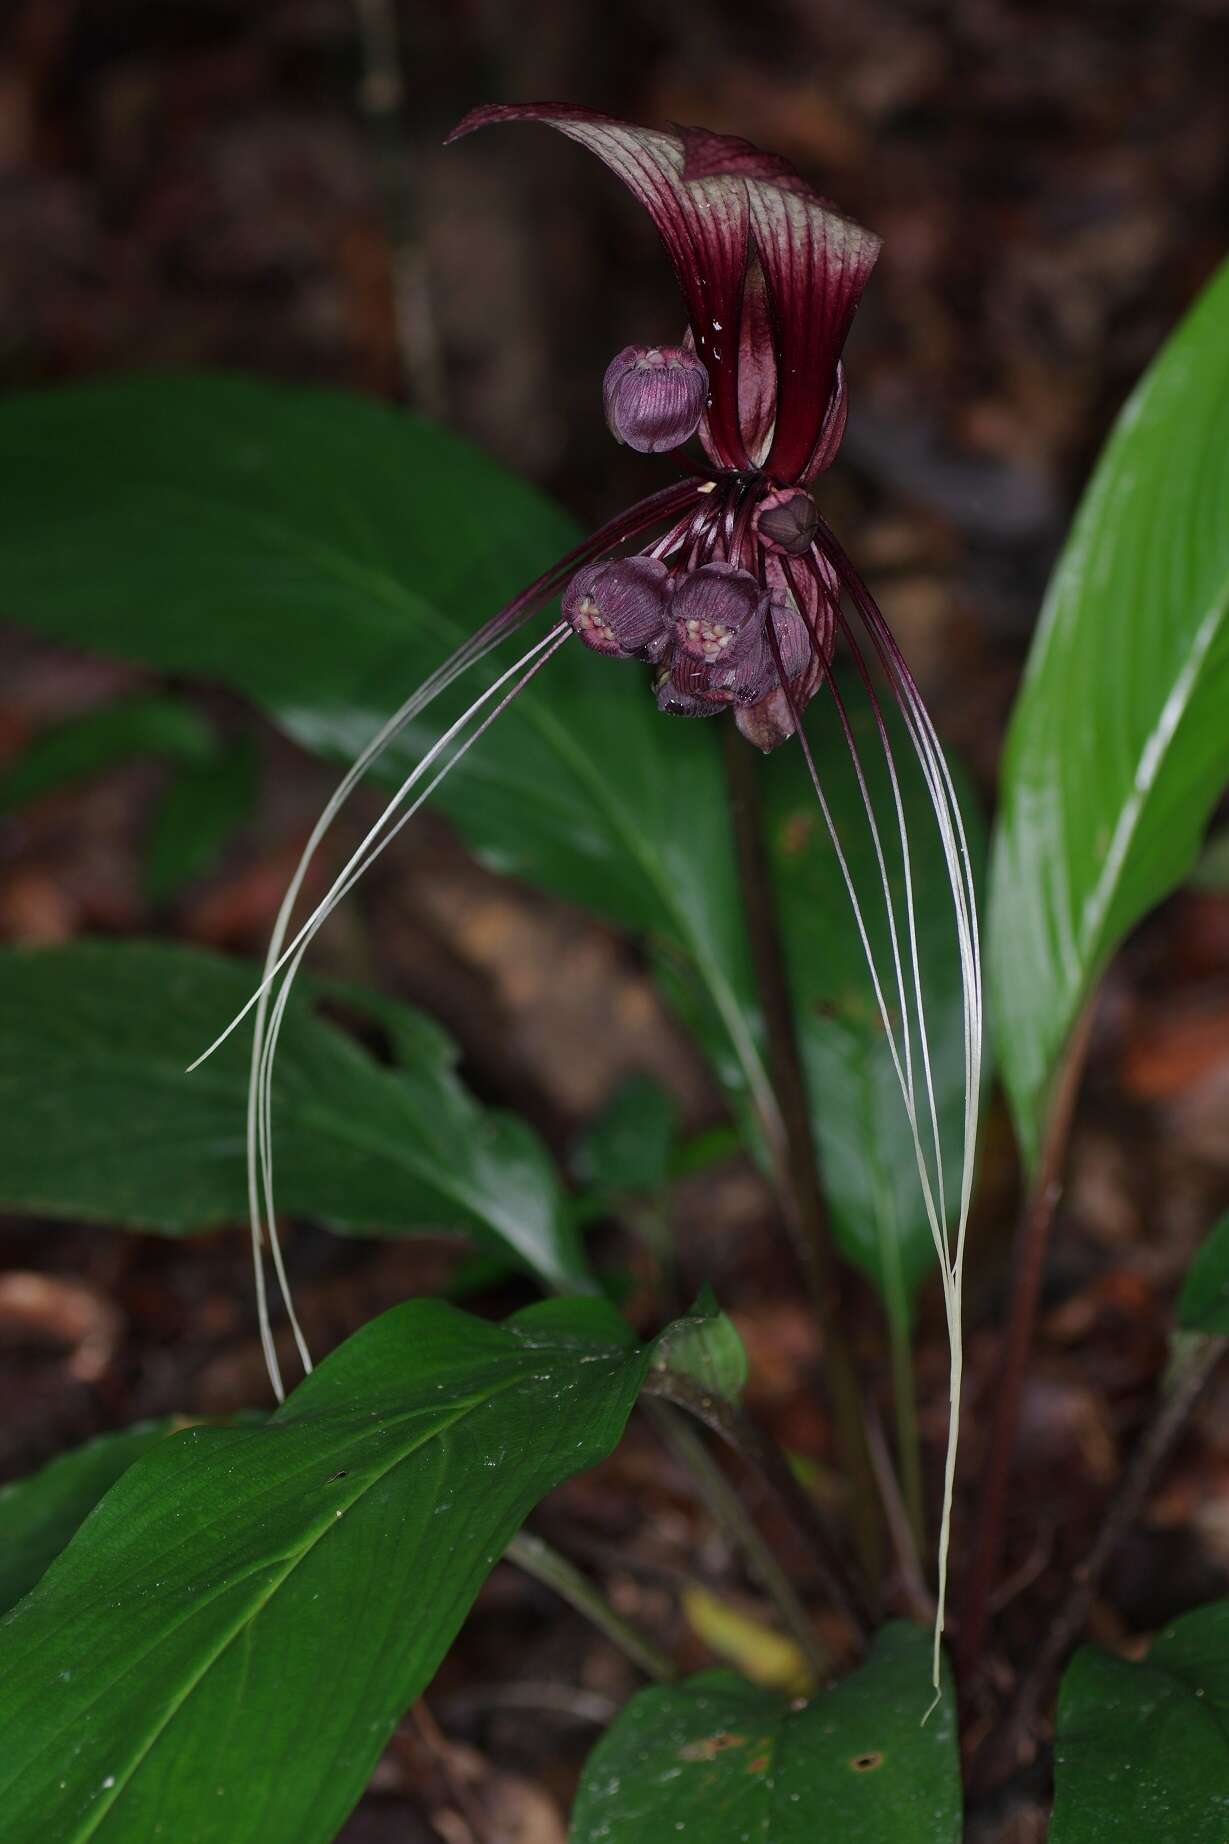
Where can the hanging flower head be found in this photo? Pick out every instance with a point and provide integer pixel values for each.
(736, 601)
(745, 610)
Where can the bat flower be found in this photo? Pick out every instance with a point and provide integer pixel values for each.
(737, 596)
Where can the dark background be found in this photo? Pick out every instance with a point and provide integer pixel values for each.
(190, 183)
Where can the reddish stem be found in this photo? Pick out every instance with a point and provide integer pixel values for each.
(1028, 1265)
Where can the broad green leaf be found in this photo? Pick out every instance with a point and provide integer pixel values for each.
(99, 1121)
(99, 739)
(198, 815)
(226, 1645)
(38, 1515)
(705, 1347)
(1142, 1751)
(321, 554)
(717, 1759)
(1118, 748)
(1203, 1304)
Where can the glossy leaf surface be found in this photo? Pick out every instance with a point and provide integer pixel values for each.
(39, 1514)
(1142, 1750)
(1118, 747)
(228, 1642)
(99, 1120)
(719, 1759)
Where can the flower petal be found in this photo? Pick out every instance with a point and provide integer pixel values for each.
(817, 264)
(703, 223)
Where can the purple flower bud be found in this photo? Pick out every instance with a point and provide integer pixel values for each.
(718, 614)
(756, 674)
(786, 521)
(654, 397)
(767, 724)
(763, 710)
(621, 608)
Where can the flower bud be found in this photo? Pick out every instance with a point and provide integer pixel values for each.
(786, 521)
(764, 711)
(718, 613)
(654, 397)
(767, 724)
(621, 608)
(756, 674)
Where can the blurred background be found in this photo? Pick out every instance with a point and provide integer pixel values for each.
(209, 183)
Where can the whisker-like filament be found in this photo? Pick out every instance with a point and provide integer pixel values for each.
(889, 758)
(944, 803)
(394, 817)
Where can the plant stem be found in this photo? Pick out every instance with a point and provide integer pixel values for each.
(546, 1565)
(761, 1454)
(798, 1171)
(1028, 1266)
(1190, 1373)
(729, 1512)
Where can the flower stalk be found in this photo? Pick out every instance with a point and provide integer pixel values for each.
(798, 1181)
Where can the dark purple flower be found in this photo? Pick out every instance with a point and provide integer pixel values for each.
(654, 397)
(622, 607)
(740, 590)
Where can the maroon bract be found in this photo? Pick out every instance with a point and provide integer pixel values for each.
(786, 521)
(654, 397)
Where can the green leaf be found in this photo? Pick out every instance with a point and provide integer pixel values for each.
(38, 1515)
(627, 1151)
(321, 554)
(227, 1644)
(99, 739)
(99, 1121)
(197, 817)
(1203, 1304)
(705, 1346)
(718, 1759)
(1142, 1751)
(1118, 747)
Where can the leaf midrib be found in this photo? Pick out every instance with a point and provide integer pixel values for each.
(241, 1624)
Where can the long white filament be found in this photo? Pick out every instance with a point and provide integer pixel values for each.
(392, 820)
(260, 1191)
(945, 806)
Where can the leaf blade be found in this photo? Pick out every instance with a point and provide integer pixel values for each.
(99, 1119)
(1117, 749)
(721, 1758)
(228, 1569)
(1142, 1750)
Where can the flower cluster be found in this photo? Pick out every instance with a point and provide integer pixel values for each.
(737, 603)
